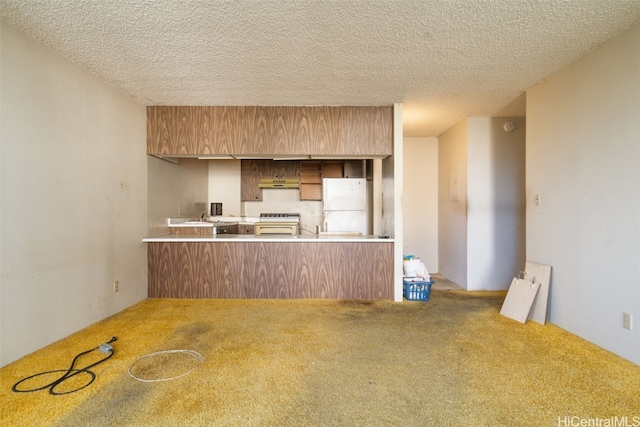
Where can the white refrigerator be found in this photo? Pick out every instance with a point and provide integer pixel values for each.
(344, 203)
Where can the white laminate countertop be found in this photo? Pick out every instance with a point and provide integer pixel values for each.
(210, 221)
(265, 238)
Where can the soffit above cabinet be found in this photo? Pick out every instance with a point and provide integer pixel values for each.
(270, 132)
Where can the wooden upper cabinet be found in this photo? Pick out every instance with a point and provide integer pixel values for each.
(333, 169)
(250, 174)
(283, 131)
(318, 130)
(168, 131)
(225, 135)
(354, 168)
(252, 171)
(366, 131)
(255, 131)
(191, 131)
(311, 180)
(269, 131)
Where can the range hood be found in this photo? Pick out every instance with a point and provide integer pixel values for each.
(279, 183)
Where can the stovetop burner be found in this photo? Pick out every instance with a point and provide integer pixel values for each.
(280, 217)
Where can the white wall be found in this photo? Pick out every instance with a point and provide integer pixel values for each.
(495, 202)
(481, 230)
(452, 204)
(175, 190)
(420, 201)
(74, 197)
(583, 152)
(225, 186)
(285, 200)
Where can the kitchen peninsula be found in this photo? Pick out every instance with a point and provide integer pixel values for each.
(199, 264)
(270, 266)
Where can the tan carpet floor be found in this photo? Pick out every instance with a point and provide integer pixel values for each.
(451, 361)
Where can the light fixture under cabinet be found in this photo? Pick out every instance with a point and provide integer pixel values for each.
(220, 157)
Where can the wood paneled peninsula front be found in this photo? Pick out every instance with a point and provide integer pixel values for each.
(270, 267)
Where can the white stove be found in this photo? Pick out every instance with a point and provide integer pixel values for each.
(277, 223)
(280, 217)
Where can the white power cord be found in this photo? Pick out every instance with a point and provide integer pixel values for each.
(196, 356)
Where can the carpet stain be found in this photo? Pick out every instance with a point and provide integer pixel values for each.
(355, 303)
(200, 336)
(450, 361)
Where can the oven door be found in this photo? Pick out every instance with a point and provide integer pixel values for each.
(260, 228)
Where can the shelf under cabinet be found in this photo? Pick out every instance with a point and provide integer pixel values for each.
(311, 191)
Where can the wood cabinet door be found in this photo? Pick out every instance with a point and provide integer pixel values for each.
(252, 171)
(255, 131)
(226, 133)
(269, 131)
(319, 128)
(354, 169)
(170, 131)
(366, 131)
(283, 169)
(282, 131)
(245, 229)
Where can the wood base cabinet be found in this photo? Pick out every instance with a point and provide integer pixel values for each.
(270, 270)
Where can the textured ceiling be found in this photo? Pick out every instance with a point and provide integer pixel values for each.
(444, 59)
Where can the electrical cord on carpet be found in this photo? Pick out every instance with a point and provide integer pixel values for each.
(105, 348)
